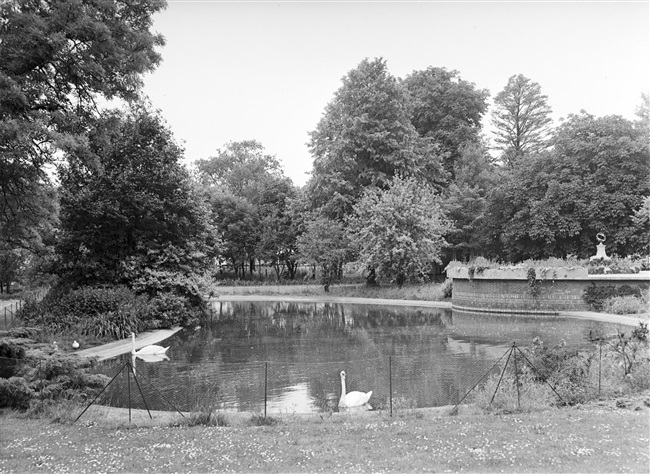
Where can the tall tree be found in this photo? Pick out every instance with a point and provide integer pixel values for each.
(324, 243)
(278, 227)
(447, 109)
(522, 119)
(236, 221)
(399, 231)
(136, 211)
(364, 138)
(57, 59)
(243, 175)
(465, 200)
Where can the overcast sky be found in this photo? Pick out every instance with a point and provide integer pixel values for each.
(266, 70)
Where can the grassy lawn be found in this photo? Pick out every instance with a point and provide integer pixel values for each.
(598, 437)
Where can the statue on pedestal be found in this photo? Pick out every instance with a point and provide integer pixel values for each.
(600, 249)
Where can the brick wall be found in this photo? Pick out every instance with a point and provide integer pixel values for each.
(514, 296)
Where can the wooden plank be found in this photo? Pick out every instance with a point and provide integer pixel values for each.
(114, 349)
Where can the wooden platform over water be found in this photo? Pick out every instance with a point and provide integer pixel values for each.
(114, 349)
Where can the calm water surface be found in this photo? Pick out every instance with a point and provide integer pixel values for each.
(294, 352)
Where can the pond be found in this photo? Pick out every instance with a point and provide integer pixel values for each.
(286, 357)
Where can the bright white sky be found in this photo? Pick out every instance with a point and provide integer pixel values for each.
(266, 70)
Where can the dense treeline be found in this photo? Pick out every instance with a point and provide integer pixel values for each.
(403, 176)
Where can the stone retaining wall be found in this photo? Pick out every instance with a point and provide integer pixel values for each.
(514, 295)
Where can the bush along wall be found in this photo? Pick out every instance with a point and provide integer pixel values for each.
(595, 296)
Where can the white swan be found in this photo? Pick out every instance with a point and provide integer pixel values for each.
(75, 345)
(147, 350)
(353, 399)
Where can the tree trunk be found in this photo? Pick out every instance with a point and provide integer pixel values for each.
(278, 270)
(371, 278)
(292, 267)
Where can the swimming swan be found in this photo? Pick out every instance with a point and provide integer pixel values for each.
(353, 399)
(147, 350)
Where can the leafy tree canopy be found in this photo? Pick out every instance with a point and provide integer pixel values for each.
(446, 108)
(250, 198)
(324, 243)
(364, 138)
(399, 231)
(137, 210)
(58, 58)
(465, 200)
(278, 224)
(594, 180)
(236, 220)
(241, 168)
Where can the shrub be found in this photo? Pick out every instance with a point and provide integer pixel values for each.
(10, 350)
(116, 324)
(89, 310)
(595, 296)
(447, 288)
(565, 368)
(15, 393)
(615, 265)
(205, 415)
(156, 282)
(112, 312)
(532, 395)
(58, 377)
(166, 310)
(624, 305)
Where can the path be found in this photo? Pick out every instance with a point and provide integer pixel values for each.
(114, 349)
(626, 319)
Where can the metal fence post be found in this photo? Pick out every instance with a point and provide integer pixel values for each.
(266, 379)
(600, 363)
(390, 383)
(517, 379)
(128, 384)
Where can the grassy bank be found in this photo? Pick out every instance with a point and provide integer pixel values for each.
(423, 292)
(598, 437)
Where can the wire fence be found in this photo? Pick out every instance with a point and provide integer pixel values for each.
(516, 379)
(9, 311)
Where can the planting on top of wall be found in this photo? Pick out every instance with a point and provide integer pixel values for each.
(550, 269)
